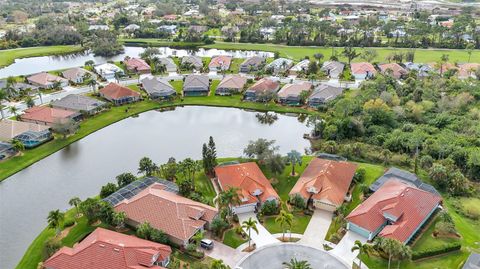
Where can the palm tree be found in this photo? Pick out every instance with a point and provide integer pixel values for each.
(404, 252)
(75, 201)
(284, 218)
(250, 225)
(362, 249)
(92, 83)
(55, 218)
(227, 198)
(117, 75)
(198, 237)
(295, 264)
(13, 110)
(390, 247)
(3, 97)
(294, 157)
(218, 264)
(9, 89)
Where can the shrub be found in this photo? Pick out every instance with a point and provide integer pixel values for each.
(445, 228)
(218, 225)
(298, 201)
(108, 189)
(158, 236)
(436, 250)
(269, 208)
(68, 223)
(51, 246)
(359, 175)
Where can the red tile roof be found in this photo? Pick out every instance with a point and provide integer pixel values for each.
(105, 249)
(220, 61)
(177, 216)
(233, 82)
(264, 85)
(397, 70)
(115, 91)
(408, 204)
(362, 68)
(294, 89)
(325, 180)
(46, 114)
(467, 70)
(249, 179)
(137, 64)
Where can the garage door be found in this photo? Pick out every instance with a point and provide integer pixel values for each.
(324, 206)
(244, 209)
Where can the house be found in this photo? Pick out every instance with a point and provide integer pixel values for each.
(396, 210)
(46, 80)
(394, 69)
(20, 87)
(49, 116)
(98, 27)
(302, 66)
(404, 176)
(263, 90)
(443, 67)
(422, 70)
(252, 64)
(170, 29)
(7, 150)
(195, 61)
(473, 261)
(200, 29)
(290, 94)
(325, 183)
(279, 65)
(30, 134)
(104, 249)
(158, 88)
(253, 187)
(196, 85)
(333, 69)
(79, 103)
(108, 71)
(118, 94)
(467, 70)
(231, 84)
(76, 75)
(179, 217)
(220, 63)
(363, 70)
(170, 65)
(322, 94)
(132, 28)
(137, 65)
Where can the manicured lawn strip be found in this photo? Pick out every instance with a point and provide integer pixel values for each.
(154, 42)
(298, 53)
(34, 253)
(8, 56)
(300, 223)
(204, 185)
(232, 239)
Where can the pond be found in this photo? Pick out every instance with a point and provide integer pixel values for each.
(34, 65)
(83, 167)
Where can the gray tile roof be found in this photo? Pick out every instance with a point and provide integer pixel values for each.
(194, 60)
(77, 102)
(169, 64)
(333, 68)
(196, 81)
(325, 92)
(405, 176)
(157, 87)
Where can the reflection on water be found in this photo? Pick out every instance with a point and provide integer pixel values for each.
(266, 118)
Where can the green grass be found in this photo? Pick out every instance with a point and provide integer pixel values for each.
(299, 225)
(427, 241)
(204, 185)
(298, 53)
(232, 239)
(155, 42)
(8, 56)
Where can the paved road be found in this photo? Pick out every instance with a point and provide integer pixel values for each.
(317, 229)
(263, 237)
(228, 255)
(343, 250)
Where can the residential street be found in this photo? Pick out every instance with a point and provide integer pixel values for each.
(317, 229)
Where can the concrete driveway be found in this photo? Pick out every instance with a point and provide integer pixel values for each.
(317, 229)
(343, 250)
(263, 237)
(228, 255)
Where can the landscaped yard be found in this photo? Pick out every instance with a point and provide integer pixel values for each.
(300, 223)
(232, 239)
(8, 56)
(204, 185)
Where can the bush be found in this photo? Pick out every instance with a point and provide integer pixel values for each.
(298, 201)
(158, 236)
(359, 176)
(218, 225)
(269, 208)
(107, 189)
(51, 246)
(68, 223)
(436, 250)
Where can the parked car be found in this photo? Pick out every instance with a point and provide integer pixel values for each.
(206, 244)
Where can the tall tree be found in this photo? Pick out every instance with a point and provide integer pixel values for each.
(125, 179)
(55, 219)
(294, 157)
(250, 225)
(284, 219)
(147, 166)
(75, 201)
(3, 97)
(362, 249)
(350, 53)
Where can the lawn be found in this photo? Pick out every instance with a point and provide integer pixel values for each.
(204, 185)
(155, 42)
(427, 241)
(298, 53)
(8, 56)
(232, 239)
(300, 223)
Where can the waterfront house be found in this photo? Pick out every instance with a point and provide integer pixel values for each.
(107, 71)
(195, 61)
(98, 27)
(108, 249)
(137, 65)
(46, 80)
(179, 217)
(325, 183)
(333, 69)
(158, 88)
(220, 63)
(170, 29)
(302, 66)
(77, 75)
(231, 84)
(49, 116)
(262, 91)
(79, 103)
(196, 85)
(118, 94)
(279, 65)
(30, 134)
(394, 69)
(170, 65)
(253, 187)
(322, 94)
(252, 64)
(404, 176)
(7, 150)
(132, 27)
(363, 70)
(291, 94)
(396, 210)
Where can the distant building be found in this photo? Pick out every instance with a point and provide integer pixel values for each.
(30, 134)
(169, 64)
(422, 70)
(322, 94)
(262, 91)
(333, 69)
(231, 84)
(118, 94)
(76, 75)
(98, 27)
(45, 115)
(79, 103)
(394, 69)
(46, 80)
(170, 29)
(220, 63)
(158, 88)
(137, 65)
(252, 64)
(132, 28)
(196, 85)
(107, 71)
(363, 70)
(404, 176)
(279, 65)
(302, 66)
(195, 61)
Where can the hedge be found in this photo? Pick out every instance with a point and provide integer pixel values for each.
(436, 250)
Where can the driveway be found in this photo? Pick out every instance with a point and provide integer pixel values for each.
(343, 250)
(228, 255)
(263, 237)
(317, 229)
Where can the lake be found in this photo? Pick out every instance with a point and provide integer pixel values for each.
(83, 167)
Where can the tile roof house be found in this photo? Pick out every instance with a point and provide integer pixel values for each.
(252, 64)
(322, 94)
(119, 94)
(397, 210)
(46, 80)
(473, 261)
(196, 85)
(48, 116)
(30, 134)
(302, 66)
(105, 249)
(7, 150)
(219, 63)
(79, 103)
(422, 70)
(467, 70)
(325, 183)
(263, 90)
(137, 65)
(169, 64)
(394, 69)
(333, 69)
(179, 217)
(158, 88)
(76, 75)
(195, 61)
(290, 94)
(231, 84)
(107, 71)
(405, 176)
(363, 70)
(254, 188)
(279, 65)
